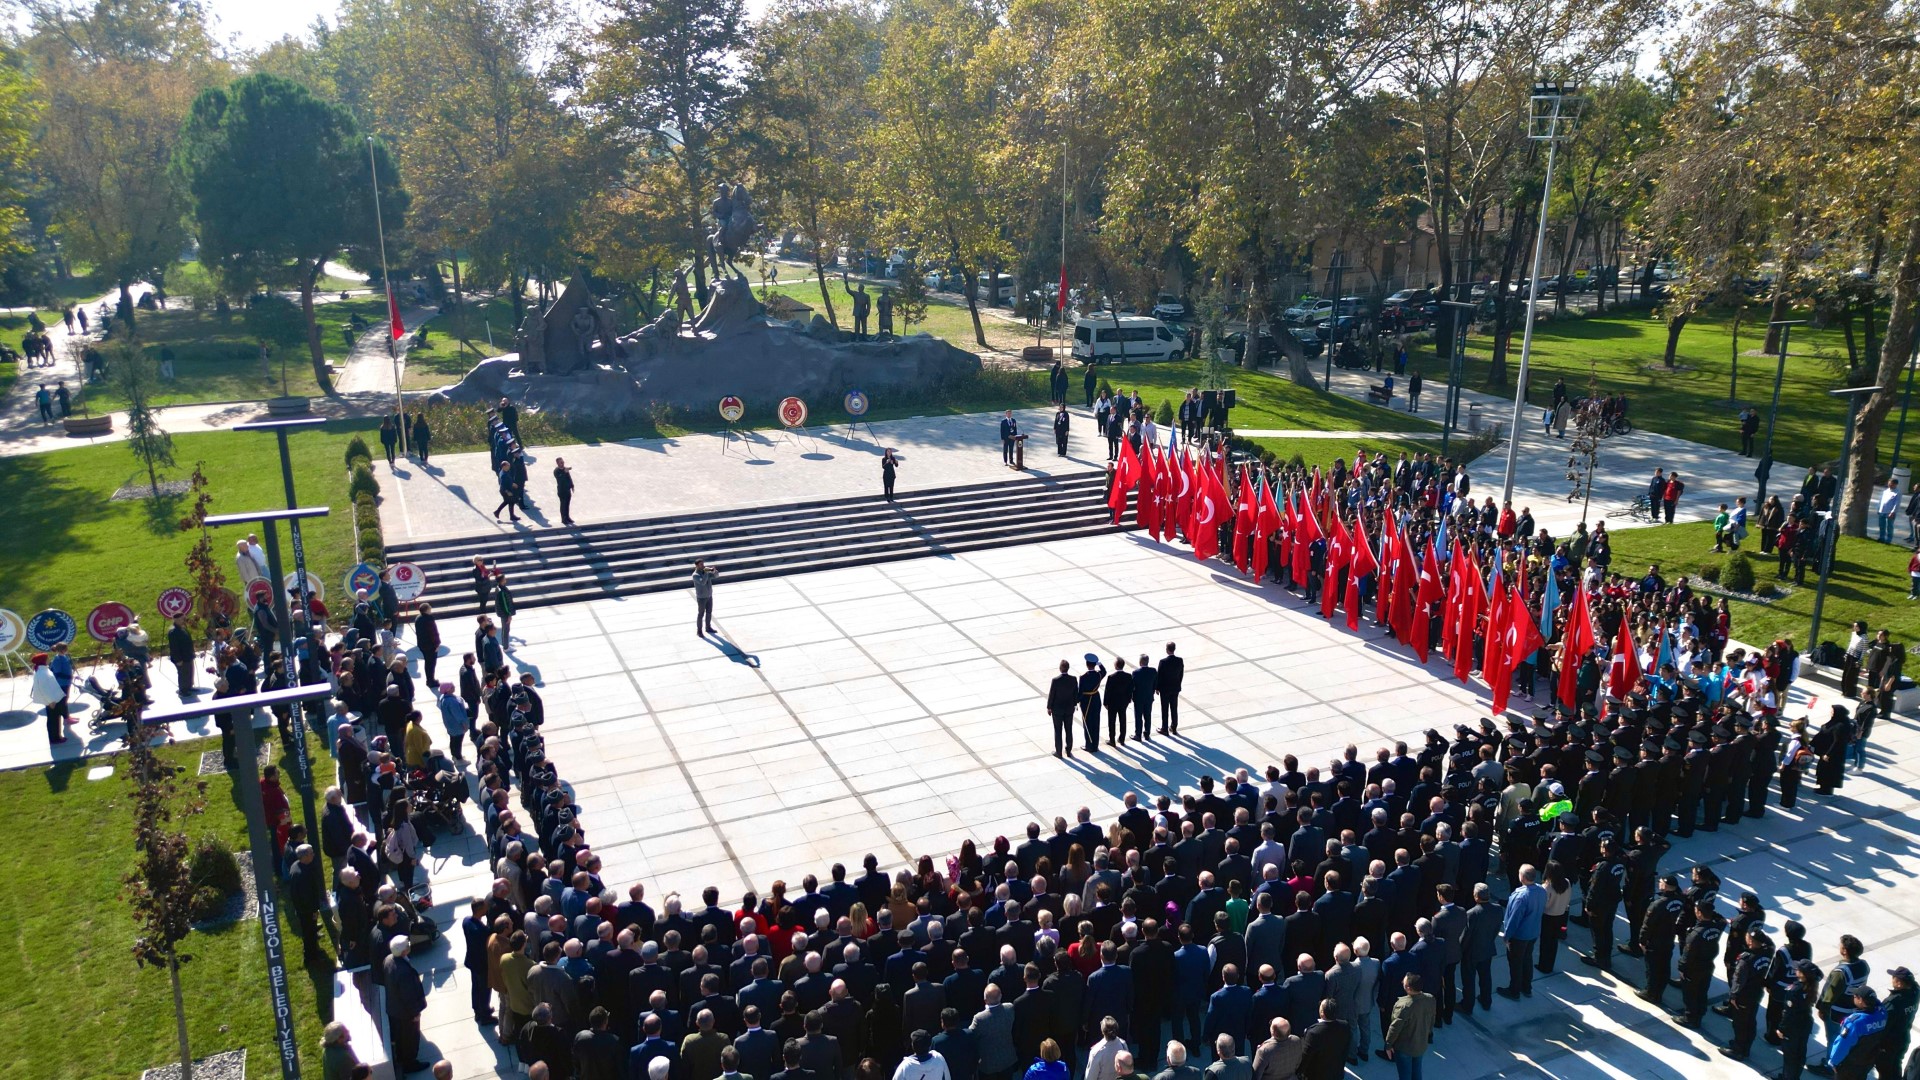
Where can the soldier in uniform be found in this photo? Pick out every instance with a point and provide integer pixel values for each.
(1619, 795)
(1748, 983)
(1646, 786)
(1702, 946)
(1719, 771)
(1658, 931)
(1592, 788)
(1605, 885)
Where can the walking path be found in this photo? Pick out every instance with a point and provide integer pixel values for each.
(364, 387)
(18, 411)
(1712, 475)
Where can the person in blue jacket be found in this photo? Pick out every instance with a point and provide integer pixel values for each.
(1852, 1053)
(1191, 965)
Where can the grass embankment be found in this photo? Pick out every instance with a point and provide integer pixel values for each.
(71, 964)
(68, 545)
(1869, 581)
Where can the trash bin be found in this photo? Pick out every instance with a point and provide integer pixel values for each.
(1473, 416)
(1904, 477)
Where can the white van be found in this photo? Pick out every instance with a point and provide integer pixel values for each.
(994, 290)
(1130, 337)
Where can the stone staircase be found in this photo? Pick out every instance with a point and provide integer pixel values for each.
(621, 558)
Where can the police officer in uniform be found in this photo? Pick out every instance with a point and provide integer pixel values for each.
(1693, 783)
(1672, 779)
(1604, 888)
(1740, 748)
(1782, 975)
(1642, 861)
(1719, 771)
(1748, 983)
(1696, 961)
(1750, 916)
(1796, 1017)
(1658, 931)
(1766, 761)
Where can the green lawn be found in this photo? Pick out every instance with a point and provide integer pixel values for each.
(1322, 452)
(71, 964)
(76, 549)
(947, 319)
(1869, 581)
(216, 360)
(1623, 352)
(457, 342)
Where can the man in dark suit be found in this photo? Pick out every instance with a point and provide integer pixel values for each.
(1063, 694)
(921, 1007)
(406, 1000)
(965, 986)
(1325, 1053)
(475, 930)
(819, 1051)
(759, 1049)
(1110, 993)
(1152, 965)
(1008, 429)
(789, 1056)
(1172, 671)
(956, 1046)
(1033, 1016)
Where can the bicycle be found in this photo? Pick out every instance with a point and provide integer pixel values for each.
(1641, 509)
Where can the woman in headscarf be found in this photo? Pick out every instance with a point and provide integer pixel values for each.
(1830, 746)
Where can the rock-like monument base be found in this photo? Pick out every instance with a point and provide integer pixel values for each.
(731, 349)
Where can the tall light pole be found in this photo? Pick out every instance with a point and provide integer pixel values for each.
(1555, 108)
(393, 308)
(1830, 526)
(1765, 468)
(1456, 365)
(300, 591)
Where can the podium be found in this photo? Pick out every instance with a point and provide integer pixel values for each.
(1020, 453)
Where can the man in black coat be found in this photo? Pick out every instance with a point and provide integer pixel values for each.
(475, 930)
(1325, 1054)
(1119, 698)
(1062, 695)
(406, 1000)
(180, 651)
(1033, 1017)
(308, 890)
(1172, 671)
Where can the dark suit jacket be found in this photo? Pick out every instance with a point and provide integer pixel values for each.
(1033, 1023)
(1326, 1054)
(759, 1051)
(1172, 669)
(1110, 993)
(920, 1008)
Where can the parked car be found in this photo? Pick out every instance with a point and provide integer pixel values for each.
(1308, 340)
(1348, 325)
(994, 289)
(1125, 337)
(1308, 311)
(1170, 308)
(1405, 298)
(1269, 349)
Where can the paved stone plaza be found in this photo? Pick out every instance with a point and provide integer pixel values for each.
(898, 708)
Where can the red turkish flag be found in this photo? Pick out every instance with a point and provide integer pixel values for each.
(1625, 669)
(1243, 525)
(394, 325)
(1146, 510)
(1523, 631)
(1430, 590)
(1449, 612)
(1183, 494)
(1473, 593)
(1266, 522)
(1337, 555)
(1125, 475)
(1306, 529)
(1360, 563)
(1494, 667)
(1209, 506)
(1575, 643)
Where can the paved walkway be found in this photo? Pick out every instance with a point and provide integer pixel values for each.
(456, 493)
(891, 709)
(17, 408)
(364, 387)
(1712, 475)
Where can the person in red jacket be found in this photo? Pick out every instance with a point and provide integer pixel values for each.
(1671, 496)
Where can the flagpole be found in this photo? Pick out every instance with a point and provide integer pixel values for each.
(386, 279)
(1061, 306)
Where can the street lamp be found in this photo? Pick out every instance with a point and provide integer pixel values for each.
(1765, 468)
(1555, 108)
(1456, 365)
(1830, 528)
(1336, 269)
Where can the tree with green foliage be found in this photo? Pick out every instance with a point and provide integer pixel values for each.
(805, 108)
(276, 323)
(116, 77)
(910, 297)
(136, 377)
(160, 886)
(19, 119)
(279, 184)
(934, 173)
(661, 87)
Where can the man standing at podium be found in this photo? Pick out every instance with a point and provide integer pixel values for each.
(1008, 429)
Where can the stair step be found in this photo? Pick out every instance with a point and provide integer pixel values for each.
(631, 557)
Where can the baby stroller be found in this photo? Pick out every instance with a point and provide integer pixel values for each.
(113, 704)
(435, 794)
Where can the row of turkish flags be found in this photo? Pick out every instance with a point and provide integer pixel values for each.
(1179, 491)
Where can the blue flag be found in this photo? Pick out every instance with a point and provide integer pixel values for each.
(1441, 550)
(1547, 605)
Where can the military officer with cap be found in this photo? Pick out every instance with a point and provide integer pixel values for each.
(1750, 916)
(1719, 771)
(1766, 761)
(1642, 859)
(1796, 1018)
(1671, 779)
(1592, 788)
(1646, 786)
(1658, 930)
(1740, 749)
